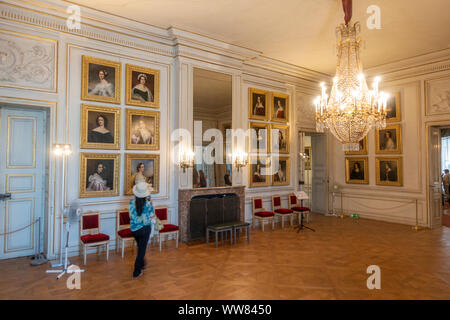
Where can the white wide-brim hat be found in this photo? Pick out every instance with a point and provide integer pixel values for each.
(142, 190)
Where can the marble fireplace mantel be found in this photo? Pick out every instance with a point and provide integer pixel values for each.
(184, 199)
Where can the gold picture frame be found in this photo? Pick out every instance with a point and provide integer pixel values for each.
(140, 124)
(390, 141)
(254, 105)
(358, 175)
(91, 88)
(132, 160)
(255, 176)
(255, 137)
(282, 175)
(277, 144)
(90, 138)
(393, 108)
(94, 182)
(142, 98)
(362, 148)
(276, 103)
(390, 175)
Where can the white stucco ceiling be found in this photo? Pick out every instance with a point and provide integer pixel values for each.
(301, 32)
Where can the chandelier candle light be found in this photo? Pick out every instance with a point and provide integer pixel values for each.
(352, 109)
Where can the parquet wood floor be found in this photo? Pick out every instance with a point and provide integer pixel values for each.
(281, 264)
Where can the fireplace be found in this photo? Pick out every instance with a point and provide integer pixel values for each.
(199, 208)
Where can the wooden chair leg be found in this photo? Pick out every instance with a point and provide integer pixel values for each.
(282, 222)
(217, 237)
(107, 251)
(176, 240)
(262, 225)
(123, 247)
(273, 223)
(160, 240)
(84, 249)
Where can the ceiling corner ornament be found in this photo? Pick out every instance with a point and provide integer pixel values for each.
(352, 109)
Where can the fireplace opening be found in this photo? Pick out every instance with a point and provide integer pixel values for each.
(206, 210)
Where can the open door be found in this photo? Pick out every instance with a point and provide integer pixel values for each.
(319, 173)
(435, 180)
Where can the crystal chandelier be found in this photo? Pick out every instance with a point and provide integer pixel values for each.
(352, 109)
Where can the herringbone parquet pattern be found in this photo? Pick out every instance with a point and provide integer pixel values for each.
(282, 264)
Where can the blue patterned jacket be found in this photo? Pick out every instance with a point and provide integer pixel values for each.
(145, 219)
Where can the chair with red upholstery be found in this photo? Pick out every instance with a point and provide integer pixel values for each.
(281, 212)
(169, 229)
(124, 234)
(297, 208)
(90, 235)
(259, 213)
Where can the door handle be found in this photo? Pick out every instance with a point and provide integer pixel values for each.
(4, 196)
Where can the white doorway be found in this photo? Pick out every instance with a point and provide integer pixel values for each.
(23, 157)
(313, 170)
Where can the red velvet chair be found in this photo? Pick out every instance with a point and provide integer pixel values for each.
(124, 234)
(259, 213)
(90, 235)
(169, 229)
(281, 212)
(297, 208)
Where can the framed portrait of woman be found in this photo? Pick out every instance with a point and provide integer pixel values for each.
(362, 147)
(140, 167)
(389, 171)
(281, 171)
(100, 80)
(142, 130)
(259, 137)
(389, 139)
(142, 86)
(259, 175)
(279, 107)
(99, 175)
(393, 108)
(279, 140)
(357, 170)
(100, 127)
(258, 104)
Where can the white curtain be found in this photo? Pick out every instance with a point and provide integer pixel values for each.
(445, 153)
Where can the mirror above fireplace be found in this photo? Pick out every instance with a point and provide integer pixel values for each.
(213, 110)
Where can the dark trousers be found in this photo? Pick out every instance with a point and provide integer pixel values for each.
(141, 237)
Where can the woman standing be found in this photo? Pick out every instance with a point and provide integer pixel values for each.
(141, 222)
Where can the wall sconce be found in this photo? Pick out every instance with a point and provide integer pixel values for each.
(240, 159)
(62, 150)
(186, 159)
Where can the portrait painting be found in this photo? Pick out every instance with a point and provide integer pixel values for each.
(259, 175)
(142, 130)
(100, 80)
(362, 148)
(389, 139)
(141, 168)
(357, 170)
(389, 171)
(142, 86)
(258, 108)
(280, 107)
(100, 127)
(259, 137)
(99, 175)
(280, 138)
(281, 171)
(393, 108)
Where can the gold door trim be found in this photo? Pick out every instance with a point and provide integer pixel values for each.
(21, 174)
